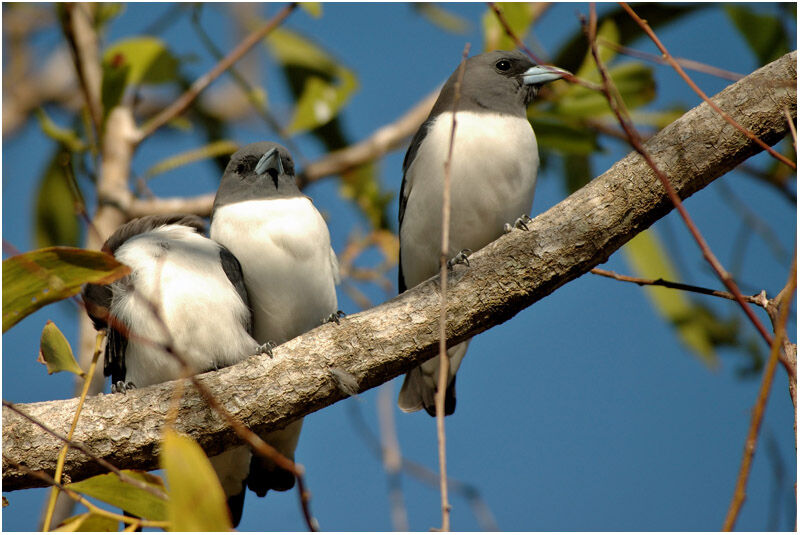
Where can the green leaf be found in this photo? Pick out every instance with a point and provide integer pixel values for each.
(518, 15)
(104, 12)
(35, 279)
(112, 490)
(312, 8)
(56, 222)
(212, 150)
(608, 31)
(88, 522)
(148, 58)
(362, 186)
(68, 138)
(196, 500)
(55, 352)
(444, 19)
(321, 85)
(566, 137)
(648, 260)
(764, 33)
(633, 80)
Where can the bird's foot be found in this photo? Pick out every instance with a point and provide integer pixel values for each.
(334, 317)
(521, 223)
(266, 347)
(460, 258)
(121, 387)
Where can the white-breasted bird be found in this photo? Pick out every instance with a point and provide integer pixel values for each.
(492, 180)
(290, 270)
(185, 293)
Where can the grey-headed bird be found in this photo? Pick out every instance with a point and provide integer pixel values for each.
(290, 270)
(493, 175)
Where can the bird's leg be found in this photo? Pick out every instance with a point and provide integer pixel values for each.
(266, 347)
(460, 258)
(521, 223)
(334, 317)
(121, 387)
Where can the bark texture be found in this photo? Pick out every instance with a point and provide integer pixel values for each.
(378, 344)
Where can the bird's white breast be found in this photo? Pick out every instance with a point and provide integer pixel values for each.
(492, 180)
(178, 272)
(289, 268)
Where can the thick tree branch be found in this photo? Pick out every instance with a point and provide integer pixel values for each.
(378, 344)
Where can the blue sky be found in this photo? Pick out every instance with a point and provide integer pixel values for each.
(583, 412)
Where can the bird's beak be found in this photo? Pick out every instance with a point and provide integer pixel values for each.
(541, 74)
(270, 160)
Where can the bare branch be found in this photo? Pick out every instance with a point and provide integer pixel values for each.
(376, 345)
(761, 402)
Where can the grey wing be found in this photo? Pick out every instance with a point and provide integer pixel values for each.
(233, 270)
(405, 189)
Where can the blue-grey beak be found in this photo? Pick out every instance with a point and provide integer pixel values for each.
(270, 160)
(541, 74)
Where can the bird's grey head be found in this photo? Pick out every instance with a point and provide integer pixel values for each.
(261, 170)
(500, 81)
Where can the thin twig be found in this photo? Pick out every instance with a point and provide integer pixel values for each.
(86, 451)
(62, 456)
(646, 27)
(761, 402)
(444, 361)
(83, 501)
(688, 63)
(183, 102)
(758, 299)
(618, 107)
(391, 456)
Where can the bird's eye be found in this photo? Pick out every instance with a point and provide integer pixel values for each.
(503, 65)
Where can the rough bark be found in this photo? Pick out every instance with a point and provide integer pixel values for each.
(378, 344)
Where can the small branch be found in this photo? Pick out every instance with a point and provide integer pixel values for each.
(688, 63)
(617, 106)
(83, 43)
(674, 64)
(444, 361)
(759, 299)
(183, 102)
(761, 402)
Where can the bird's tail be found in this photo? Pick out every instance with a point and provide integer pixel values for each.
(265, 475)
(231, 468)
(419, 386)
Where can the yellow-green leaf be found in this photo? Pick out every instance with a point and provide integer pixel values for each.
(34, 279)
(648, 260)
(442, 18)
(607, 31)
(68, 138)
(148, 58)
(212, 150)
(519, 16)
(312, 8)
(196, 499)
(55, 352)
(88, 522)
(634, 81)
(112, 490)
(56, 222)
(322, 85)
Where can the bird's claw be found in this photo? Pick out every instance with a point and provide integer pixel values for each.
(521, 223)
(121, 387)
(334, 317)
(460, 258)
(266, 347)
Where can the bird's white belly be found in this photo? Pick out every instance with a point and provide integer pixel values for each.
(492, 181)
(283, 247)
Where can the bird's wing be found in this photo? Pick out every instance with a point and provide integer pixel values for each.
(233, 270)
(405, 190)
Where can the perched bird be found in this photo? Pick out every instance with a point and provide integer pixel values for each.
(186, 292)
(290, 270)
(492, 179)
